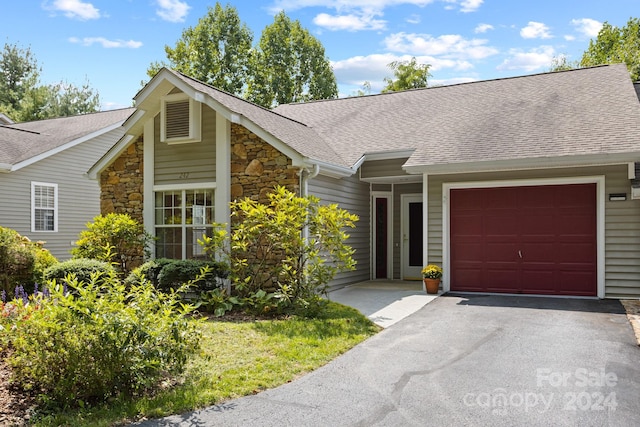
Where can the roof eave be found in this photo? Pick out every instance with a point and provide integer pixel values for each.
(526, 164)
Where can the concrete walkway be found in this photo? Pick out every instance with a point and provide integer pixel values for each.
(384, 302)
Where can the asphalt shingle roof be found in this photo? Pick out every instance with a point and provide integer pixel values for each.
(23, 141)
(579, 112)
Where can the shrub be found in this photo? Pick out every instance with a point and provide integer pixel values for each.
(167, 274)
(22, 261)
(114, 238)
(100, 341)
(268, 250)
(83, 269)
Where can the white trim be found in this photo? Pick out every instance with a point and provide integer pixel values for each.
(194, 118)
(148, 161)
(35, 184)
(112, 154)
(388, 155)
(222, 210)
(190, 186)
(599, 180)
(404, 222)
(388, 195)
(631, 170)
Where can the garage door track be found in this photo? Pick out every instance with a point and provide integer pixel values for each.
(465, 361)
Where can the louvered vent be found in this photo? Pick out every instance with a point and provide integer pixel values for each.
(177, 119)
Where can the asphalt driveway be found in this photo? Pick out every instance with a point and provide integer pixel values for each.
(465, 361)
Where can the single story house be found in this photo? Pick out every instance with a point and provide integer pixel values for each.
(45, 193)
(518, 185)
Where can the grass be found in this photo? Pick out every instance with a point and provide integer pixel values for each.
(238, 359)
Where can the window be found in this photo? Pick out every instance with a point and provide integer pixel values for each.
(44, 207)
(180, 118)
(182, 217)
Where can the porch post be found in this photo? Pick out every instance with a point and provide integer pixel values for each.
(425, 219)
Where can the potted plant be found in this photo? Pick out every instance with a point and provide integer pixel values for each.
(431, 275)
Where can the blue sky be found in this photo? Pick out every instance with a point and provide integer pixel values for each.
(112, 42)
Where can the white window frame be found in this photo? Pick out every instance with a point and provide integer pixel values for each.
(34, 185)
(195, 119)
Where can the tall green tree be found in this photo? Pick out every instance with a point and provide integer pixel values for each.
(289, 65)
(24, 98)
(407, 75)
(561, 63)
(215, 51)
(614, 45)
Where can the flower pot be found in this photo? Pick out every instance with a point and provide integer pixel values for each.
(431, 285)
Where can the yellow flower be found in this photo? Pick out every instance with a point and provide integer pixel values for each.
(432, 271)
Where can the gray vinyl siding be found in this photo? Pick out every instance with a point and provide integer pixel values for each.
(78, 196)
(622, 221)
(383, 168)
(187, 163)
(352, 195)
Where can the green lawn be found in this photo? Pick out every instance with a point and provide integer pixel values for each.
(237, 359)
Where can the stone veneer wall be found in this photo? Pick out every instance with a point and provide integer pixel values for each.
(257, 168)
(121, 189)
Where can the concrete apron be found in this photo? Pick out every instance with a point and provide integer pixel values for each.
(384, 302)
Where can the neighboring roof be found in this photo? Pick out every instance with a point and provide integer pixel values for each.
(20, 142)
(584, 112)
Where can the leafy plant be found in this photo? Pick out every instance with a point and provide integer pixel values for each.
(291, 247)
(99, 341)
(167, 274)
(83, 269)
(114, 238)
(22, 261)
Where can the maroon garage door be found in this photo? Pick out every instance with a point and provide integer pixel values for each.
(534, 240)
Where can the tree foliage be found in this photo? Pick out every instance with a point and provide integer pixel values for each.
(215, 51)
(407, 75)
(287, 65)
(561, 63)
(24, 98)
(615, 45)
(293, 246)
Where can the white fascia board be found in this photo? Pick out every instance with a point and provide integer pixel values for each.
(5, 167)
(388, 155)
(108, 158)
(525, 164)
(329, 169)
(66, 146)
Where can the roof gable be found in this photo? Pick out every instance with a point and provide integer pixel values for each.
(22, 144)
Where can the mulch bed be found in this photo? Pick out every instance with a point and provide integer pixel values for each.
(15, 405)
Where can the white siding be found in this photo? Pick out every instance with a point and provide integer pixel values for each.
(78, 196)
(352, 195)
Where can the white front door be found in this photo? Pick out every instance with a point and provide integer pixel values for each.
(411, 230)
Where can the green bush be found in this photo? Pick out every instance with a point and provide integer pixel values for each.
(22, 261)
(99, 341)
(83, 269)
(116, 238)
(167, 274)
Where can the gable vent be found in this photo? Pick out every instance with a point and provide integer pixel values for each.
(180, 119)
(177, 119)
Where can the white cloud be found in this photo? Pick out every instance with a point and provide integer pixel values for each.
(533, 60)
(587, 27)
(448, 45)
(569, 38)
(74, 9)
(470, 5)
(106, 43)
(535, 30)
(372, 6)
(414, 19)
(172, 10)
(483, 28)
(349, 22)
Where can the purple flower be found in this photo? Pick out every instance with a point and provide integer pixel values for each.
(4, 296)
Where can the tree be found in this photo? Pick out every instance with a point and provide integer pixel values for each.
(408, 75)
(289, 65)
(19, 73)
(615, 45)
(23, 98)
(215, 51)
(268, 249)
(560, 63)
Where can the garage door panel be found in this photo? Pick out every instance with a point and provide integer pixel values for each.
(552, 227)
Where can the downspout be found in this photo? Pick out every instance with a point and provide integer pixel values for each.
(305, 176)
